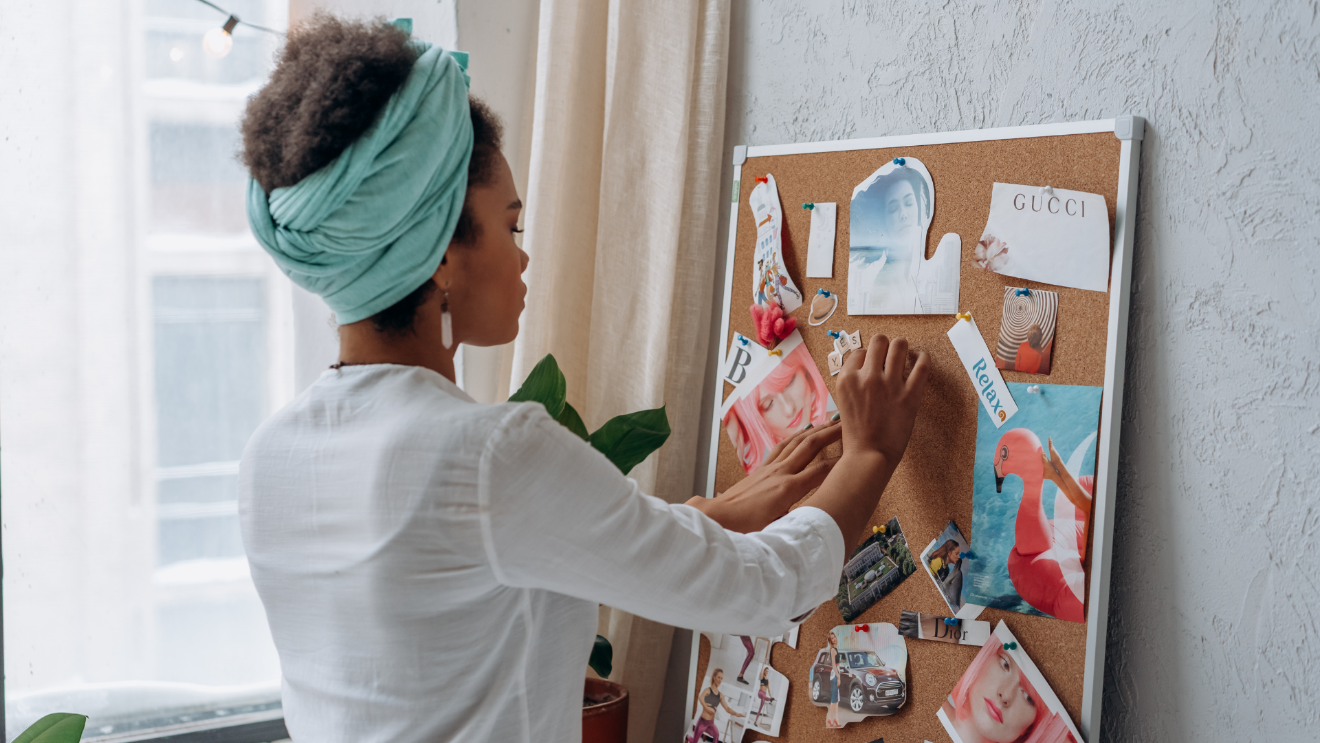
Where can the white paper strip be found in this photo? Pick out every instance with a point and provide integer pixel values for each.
(980, 366)
(820, 245)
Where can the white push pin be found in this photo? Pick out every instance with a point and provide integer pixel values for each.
(1034, 389)
(1046, 191)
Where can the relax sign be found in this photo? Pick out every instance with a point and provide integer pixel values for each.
(980, 366)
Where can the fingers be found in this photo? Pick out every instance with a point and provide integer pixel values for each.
(811, 445)
(876, 357)
(896, 358)
(916, 381)
(777, 450)
(813, 475)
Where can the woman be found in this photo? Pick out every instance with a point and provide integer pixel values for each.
(832, 716)
(947, 567)
(791, 398)
(710, 698)
(763, 693)
(416, 551)
(994, 702)
(1033, 354)
(750, 644)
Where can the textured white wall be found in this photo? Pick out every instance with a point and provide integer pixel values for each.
(1213, 625)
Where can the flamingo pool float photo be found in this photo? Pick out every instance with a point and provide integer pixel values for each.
(1045, 564)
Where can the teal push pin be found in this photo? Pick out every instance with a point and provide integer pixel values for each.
(1010, 646)
(823, 292)
(808, 206)
(900, 162)
(834, 334)
(1024, 292)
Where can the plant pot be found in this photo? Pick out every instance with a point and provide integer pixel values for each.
(605, 721)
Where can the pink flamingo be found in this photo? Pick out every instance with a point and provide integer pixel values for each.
(1046, 562)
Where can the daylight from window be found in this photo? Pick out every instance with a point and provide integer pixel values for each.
(143, 337)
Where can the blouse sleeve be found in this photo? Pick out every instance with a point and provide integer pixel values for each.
(557, 515)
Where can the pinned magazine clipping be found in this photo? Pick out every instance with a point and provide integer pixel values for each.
(740, 690)
(774, 295)
(861, 672)
(1002, 696)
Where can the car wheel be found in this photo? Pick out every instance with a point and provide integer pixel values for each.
(856, 698)
(815, 691)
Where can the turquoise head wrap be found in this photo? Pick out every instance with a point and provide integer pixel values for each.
(370, 227)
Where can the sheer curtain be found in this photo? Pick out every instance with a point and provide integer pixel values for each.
(622, 209)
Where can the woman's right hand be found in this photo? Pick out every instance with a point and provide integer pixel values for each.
(877, 406)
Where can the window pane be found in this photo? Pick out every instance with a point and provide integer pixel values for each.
(137, 356)
(197, 182)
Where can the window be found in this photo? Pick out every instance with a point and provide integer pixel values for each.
(144, 336)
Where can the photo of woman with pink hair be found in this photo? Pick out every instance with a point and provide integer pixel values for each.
(996, 702)
(790, 396)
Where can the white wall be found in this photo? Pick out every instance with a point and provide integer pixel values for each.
(1213, 618)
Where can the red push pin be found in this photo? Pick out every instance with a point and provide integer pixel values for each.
(762, 179)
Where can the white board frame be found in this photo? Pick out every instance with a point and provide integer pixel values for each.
(1129, 130)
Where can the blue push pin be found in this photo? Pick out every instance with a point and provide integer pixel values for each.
(742, 339)
(823, 292)
(900, 161)
(964, 555)
(950, 622)
(1024, 292)
(834, 334)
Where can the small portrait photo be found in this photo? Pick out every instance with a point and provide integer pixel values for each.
(875, 569)
(1026, 334)
(1002, 698)
(943, 561)
(782, 395)
(888, 218)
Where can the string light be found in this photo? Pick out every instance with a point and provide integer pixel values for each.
(219, 41)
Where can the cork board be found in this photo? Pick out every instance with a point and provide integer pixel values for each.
(933, 484)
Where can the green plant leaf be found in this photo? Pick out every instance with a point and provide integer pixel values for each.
(602, 658)
(61, 727)
(628, 439)
(546, 385)
(573, 422)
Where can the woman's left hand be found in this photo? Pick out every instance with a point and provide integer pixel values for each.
(788, 474)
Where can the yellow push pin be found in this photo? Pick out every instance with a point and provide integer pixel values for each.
(875, 529)
(965, 316)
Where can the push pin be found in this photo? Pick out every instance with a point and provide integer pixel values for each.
(1023, 292)
(777, 352)
(964, 316)
(742, 339)
(834, 334)
(965, 555)
(875, 530)
(1046, 191)
(762, 179)
(950, 622)
(900, 162)
(808, 206)
(823, 292)
(1034, 389)
(1010, 646)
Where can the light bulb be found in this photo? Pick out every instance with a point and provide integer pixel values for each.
(218, 41)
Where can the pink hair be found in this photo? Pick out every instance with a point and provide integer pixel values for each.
(1046, 728)
(754, 439)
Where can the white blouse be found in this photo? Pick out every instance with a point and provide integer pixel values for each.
(431, 566)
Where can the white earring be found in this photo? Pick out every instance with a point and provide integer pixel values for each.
(446, 324)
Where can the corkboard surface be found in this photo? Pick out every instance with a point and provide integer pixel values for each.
(934, 482)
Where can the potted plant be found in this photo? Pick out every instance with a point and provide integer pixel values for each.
(57, 727)
(625, 440)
